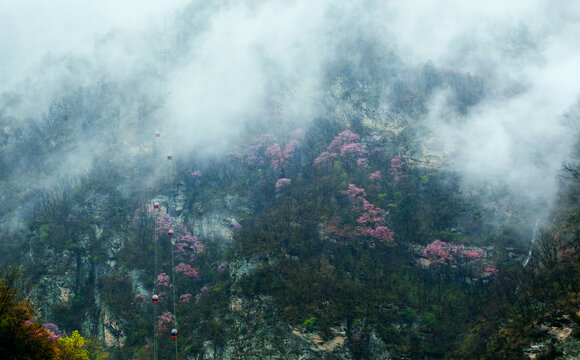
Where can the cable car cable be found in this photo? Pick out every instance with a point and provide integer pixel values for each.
(155, 246)
(174, 332)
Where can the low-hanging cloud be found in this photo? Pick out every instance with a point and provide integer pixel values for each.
(526, 53)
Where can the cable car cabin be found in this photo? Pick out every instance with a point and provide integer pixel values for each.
(174, 333)
(155, 298)
(170, 232)
(169, 157)
(157, 134)
(156, 205)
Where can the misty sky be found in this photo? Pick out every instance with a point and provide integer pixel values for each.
(238, 54)
(29, 29)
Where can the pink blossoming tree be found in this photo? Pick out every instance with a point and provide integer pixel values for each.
(268, 151)
(188, 242)
(442, 253)
(397, 168)
(163, 280)
(376, 176)
(370, 221)
(187, 270)
(184, 299)
(282, 183)
(163, 320)
(346, 145)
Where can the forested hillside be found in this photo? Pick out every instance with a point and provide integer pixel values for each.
(281, 181)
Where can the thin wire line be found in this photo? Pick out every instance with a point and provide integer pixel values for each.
(172, 250)
(155, 245)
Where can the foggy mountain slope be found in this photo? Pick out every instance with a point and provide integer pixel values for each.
(287, 63)
(362, 173)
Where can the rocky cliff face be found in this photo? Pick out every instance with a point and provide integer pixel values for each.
(66, 287)
(69, 291)
(555, 335)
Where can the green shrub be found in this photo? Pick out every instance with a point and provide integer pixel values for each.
(309, 323)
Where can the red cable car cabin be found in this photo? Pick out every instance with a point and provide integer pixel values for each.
(170, 232)
(174, 333)
(156, 205)
(169, 157)
(155, 298)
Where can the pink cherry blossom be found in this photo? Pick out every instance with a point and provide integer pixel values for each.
(375, 176)
(163, 280)
(187, 270)
(282, 183)
(341, 139)
(491, 269)
(396, 169)
(163, 320)
(184, 298)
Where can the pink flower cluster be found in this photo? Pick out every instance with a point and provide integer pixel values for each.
(45, 331)
(274, 153)
(380, 232)
(163, 320)
(347, 145)
(283, 182)
(376, 176)
(396, 169)
(187, 270)
(267, 149)
(196, 173)
(372, 218)
(184, 299)
(440, 252)
(53, 328)
(352, 150)
(163, 222)
(325, 158)
(355, 192)
(345, 137)
(491, 270)
(475, 255)
(52, 331)
(188, 242)
(186, 247)
(163, 280)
